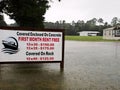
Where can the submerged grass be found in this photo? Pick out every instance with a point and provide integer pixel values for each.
(86, 38)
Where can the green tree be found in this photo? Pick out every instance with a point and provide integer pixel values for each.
(100, 29)
(100, 21)
(93, 21)
(106, 25)
(79, 26)
(114, 21)
(26, 13)
(91, 25)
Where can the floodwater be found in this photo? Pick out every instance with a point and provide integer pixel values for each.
(88, 66)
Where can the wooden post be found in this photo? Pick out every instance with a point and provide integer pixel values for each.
(62, 66)
(0, 68)
(63, 47)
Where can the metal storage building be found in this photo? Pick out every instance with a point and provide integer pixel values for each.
(88, 33)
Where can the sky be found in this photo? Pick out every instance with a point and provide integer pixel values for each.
(70, 10)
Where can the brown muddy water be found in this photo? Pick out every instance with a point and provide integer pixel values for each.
(88, 66)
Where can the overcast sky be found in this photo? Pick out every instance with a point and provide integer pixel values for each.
(70, 10)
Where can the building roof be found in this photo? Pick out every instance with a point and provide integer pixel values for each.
(89, 32)
(113, 28)
(117, 27)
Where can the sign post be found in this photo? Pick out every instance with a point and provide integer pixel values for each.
(31, 45)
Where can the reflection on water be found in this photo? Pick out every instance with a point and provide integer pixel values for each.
(88, 66)
(30, 77)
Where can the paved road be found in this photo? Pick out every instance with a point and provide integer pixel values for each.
(88, 66)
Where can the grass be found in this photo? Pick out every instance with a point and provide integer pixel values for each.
(86, 38)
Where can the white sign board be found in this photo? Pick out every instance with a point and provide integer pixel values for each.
(20, 46)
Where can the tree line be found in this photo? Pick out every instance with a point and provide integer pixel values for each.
(91, 25)
(74, 27)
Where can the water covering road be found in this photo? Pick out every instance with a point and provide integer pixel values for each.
(88, 66)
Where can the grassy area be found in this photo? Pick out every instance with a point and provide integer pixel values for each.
(86, 38)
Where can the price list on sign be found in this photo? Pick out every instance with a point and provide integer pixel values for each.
(46, 49)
